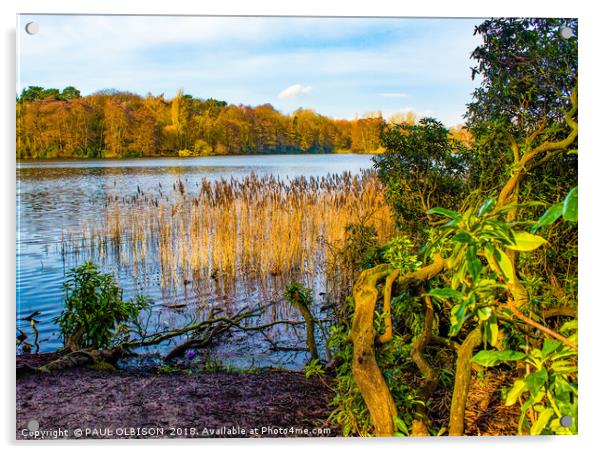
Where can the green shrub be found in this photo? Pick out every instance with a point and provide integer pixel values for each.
(94, 308)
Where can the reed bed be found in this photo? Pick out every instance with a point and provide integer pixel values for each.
(257, 227)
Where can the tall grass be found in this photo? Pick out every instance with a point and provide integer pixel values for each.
(257, 227)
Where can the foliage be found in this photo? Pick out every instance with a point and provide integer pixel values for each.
(422, 167)
(527, 70)
(298, 296)
(94, 307)
(568, 209)
(109, 123)
(397, 253)
(350, 412)
(548, 391)
(314, 368)
(476, 284)
(361, 249)
(37, 93)
(496, 261)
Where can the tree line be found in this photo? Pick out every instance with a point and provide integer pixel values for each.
(113, 124)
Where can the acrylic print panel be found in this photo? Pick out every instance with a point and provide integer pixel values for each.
(295, 227)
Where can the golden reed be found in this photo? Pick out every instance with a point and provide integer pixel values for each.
(255, 227)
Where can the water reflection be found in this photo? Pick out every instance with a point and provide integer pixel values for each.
(54, 197)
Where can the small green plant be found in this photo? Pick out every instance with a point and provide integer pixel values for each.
(401, 428)
(298, 296)
(169, 369)
(314, 368)
(548, 391)
(166, 369)
(94, 308)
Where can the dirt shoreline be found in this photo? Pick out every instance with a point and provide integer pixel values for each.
(122, 404)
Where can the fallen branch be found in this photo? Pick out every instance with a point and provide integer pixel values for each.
(79, 358)
(510, 305)
(205, 330)
(559, 312)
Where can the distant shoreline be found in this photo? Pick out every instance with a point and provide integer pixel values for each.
(184, 158)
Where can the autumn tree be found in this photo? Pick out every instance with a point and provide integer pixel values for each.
(55, 123)
(180, 116)
(118, 120)
(365, 134)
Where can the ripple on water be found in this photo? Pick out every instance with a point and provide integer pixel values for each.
(53, 197)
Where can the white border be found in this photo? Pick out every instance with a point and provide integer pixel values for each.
(589, 253)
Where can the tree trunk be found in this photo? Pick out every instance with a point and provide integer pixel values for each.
(309, 330)
(366, 372)
(462, 382)
(420, 425)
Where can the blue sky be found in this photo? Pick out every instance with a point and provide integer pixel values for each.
(339, 67)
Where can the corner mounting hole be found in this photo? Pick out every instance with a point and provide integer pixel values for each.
(566, 421)
(32, 28)
(566, 33)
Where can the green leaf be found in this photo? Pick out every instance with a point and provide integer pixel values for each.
(484, 313)
(549, 346)
(459, 275)
(462, 237)
(563, 367)
(444, 212)
(497, 230)
(525, 242)
(570, 206)
(535, 380)
(401, 426)
(489, 358)
(474, 263)
(569, 326)
(445, 293)
(548, 217)
(487, 206)
(542, 421)
(515, 392)
(491, 330)
(499, 260)
(457, 318)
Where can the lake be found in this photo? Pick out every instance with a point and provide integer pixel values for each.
(59, 198)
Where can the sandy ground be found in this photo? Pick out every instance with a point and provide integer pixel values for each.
(88, 403)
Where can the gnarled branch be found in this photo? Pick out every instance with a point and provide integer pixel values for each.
(366, 373)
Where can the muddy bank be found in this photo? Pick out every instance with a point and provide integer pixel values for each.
(109, 404)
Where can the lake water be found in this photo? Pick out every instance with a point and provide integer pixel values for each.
(60, 197)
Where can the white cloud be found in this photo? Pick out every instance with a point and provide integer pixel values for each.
(394, 95)
(293, 91)
(249, 60)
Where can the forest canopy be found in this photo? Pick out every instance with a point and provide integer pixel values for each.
(63, 124)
